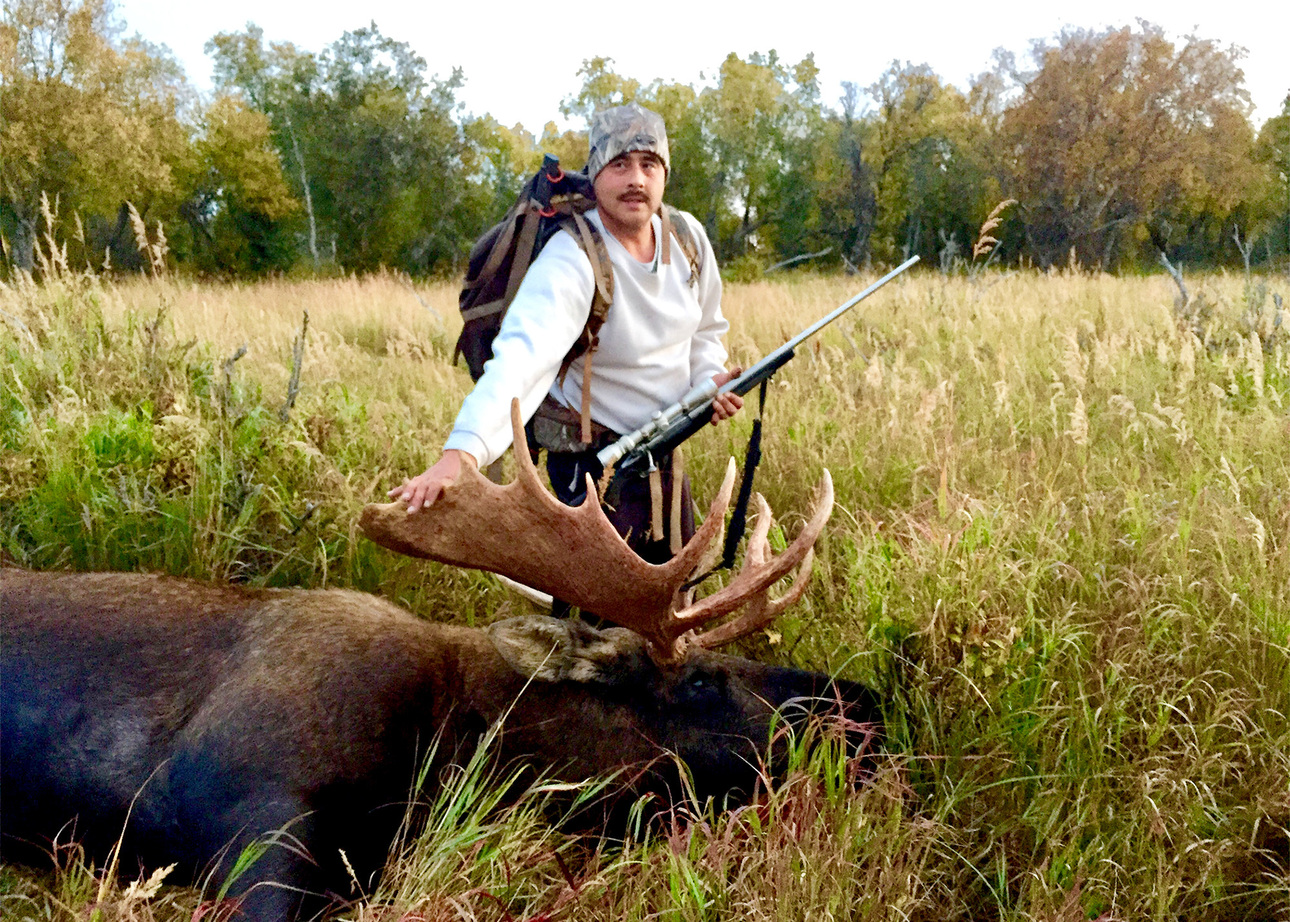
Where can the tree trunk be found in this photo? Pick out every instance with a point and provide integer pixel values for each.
(309, 201)
(864, 205)
(23, 250)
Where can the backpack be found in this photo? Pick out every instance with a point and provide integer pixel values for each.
(551, 201)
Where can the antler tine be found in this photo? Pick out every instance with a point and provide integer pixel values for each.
(526, 471)
(759, 573)
(761, 610)
(695, 551)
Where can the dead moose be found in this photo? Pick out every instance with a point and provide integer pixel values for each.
(200, 718)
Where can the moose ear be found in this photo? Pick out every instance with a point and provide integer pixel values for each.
(551, 650)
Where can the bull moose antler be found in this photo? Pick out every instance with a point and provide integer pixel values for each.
(522, 531)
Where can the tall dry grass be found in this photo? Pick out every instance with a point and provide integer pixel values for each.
(1060, 550)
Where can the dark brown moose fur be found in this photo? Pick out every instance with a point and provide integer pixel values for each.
(215, 715)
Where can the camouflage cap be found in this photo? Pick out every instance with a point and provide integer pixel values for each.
(622, 129)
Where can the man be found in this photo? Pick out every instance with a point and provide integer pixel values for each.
(662, 336)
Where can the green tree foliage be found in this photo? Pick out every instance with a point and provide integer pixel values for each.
(1119, 134)
(848, 196)
(796, 175)
(372, 139)
(500, 160)
(239, 199)
(89, 119)
(601, 88)
(755, 117)
(389, 154)
(930, 181)
(569, 145)
(1117, 143)
(277, 80)
(1272, 152)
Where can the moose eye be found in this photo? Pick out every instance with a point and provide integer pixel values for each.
(703, 683)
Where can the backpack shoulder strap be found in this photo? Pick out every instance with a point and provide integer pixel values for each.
(680, 228)
(593, 244)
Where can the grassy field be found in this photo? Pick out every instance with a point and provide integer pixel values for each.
(1061, 550)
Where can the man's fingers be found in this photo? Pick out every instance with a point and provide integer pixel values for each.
(430, 494)
(422, 493)
(414, 494)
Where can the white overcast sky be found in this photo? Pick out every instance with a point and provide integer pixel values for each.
(520, 59)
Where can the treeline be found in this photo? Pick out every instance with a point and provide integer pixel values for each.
(1116, 145)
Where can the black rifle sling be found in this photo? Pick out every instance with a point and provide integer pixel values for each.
(739, 518)
(752, 457)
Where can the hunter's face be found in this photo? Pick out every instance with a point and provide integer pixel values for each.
(629, 190)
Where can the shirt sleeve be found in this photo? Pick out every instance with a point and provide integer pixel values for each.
(707, 349)
(543, 322)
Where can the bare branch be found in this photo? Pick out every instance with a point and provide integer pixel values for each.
(799, 258)
(1178, 280)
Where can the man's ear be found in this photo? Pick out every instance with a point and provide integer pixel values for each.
(551, 650)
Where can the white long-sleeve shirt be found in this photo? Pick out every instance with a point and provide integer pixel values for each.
(661, 337)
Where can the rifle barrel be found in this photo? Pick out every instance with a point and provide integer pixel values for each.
(842, 309)
(676, 423)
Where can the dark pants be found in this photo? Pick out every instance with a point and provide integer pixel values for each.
(627, 501)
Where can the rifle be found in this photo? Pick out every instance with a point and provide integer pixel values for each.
(670, 427)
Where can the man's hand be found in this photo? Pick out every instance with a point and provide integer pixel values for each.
(424, 489)
(725, 406)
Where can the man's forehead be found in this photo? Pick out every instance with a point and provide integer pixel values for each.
(643, 154)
